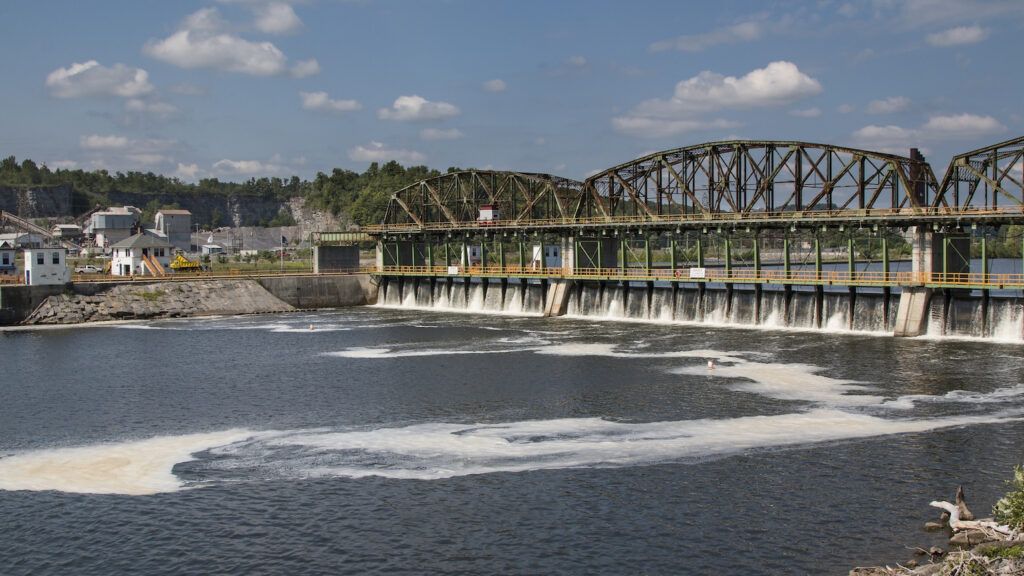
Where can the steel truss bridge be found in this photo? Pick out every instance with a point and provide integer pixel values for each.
(769, 183)
(739, 193)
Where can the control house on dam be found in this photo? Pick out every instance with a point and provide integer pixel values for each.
(768, 233)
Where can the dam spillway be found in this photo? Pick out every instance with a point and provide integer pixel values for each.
(948, 314)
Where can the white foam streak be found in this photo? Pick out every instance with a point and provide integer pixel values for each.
(444, 450)
(137, 467)
(797, 382)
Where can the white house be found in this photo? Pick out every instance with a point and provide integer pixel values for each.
(7, 265)
(46, 266)
(140, 255)
(211, 249)
(489, 213)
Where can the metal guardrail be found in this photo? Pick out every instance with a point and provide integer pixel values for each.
(711, 218)
(732, 276)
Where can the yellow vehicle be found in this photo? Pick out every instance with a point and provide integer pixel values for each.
(182, 264)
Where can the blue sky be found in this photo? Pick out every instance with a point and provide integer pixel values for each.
(240, 88)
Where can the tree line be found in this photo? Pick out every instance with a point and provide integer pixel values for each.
(363, 197)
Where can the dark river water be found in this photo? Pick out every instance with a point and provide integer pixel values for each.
(407, 442)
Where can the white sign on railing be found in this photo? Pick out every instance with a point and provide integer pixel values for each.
(698, 273)
(453, 270)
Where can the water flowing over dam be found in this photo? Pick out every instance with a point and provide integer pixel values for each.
(948, 315)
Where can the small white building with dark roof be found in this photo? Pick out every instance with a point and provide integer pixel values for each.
(7, 253)
(140, 255)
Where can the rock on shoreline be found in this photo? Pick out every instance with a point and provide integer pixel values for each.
(158, 300)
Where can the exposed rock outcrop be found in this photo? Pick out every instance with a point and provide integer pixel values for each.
(158, 300)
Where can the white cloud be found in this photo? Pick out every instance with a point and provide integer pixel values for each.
(187, 171)
(777, 84)
(889, 105)
(247, 167)
(416, 108)
(200, 42)
(62, 164)
(91, 78)
(806, 113)
(439, 134)
(98, 142)
(958, 36)
(304, 68)
(157, 109)
(962, 126)
(277, 18)
(320, 101)
(845, 108)
(378, 152)
(742, 32)
(954, 127)
(576, 61)
(496, 85)
(658, 127)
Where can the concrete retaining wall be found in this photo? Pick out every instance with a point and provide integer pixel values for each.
(90, 302)
(322, 291)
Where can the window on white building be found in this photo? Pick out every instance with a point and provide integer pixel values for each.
(56, 257)
(40, 259)
(7, 259)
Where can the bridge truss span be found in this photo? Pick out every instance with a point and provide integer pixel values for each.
(747, 178)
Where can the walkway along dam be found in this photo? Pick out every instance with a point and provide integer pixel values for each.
(771, 233)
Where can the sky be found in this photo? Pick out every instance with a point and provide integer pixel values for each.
(235, 89)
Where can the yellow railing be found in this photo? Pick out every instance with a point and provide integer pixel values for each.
(732, 276)
(788, 215)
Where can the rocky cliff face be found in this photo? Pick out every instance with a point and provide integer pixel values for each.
(41, 202)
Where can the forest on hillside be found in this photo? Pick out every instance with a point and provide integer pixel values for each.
(361, 196)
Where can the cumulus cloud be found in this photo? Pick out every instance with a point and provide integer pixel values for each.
(889, 105)
(321, 102)
(952, 127)
(958, 36)
(247, 167)
(187, 171)
(305, 68)
(416, 108)
(777, 84)
(201, 42)
(155, 108)
(496, 85)
(439, 134)
(378, 152)
(742, 32)
(806, 113)
(962, 125)
(91, 78)
(277, 18)
(103, 142)
(576, 61)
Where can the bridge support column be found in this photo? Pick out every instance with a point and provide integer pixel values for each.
(568, 255)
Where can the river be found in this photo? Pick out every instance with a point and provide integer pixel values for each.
(378, 440)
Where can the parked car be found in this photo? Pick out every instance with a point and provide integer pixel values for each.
(88, 269)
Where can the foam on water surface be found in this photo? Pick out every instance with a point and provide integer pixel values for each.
(135, 467)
